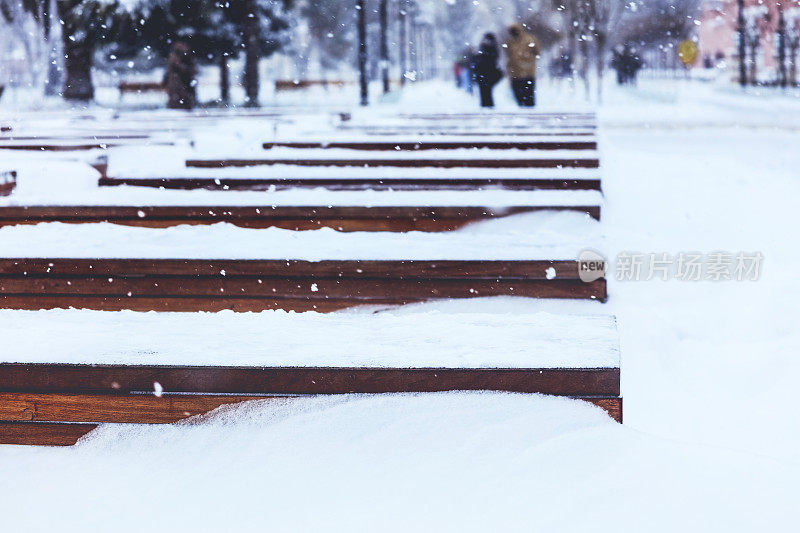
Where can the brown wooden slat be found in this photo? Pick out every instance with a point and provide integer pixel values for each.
(344, 183)
(290, 268)
(113, 408)
(42, 434)
(45, 147)
(151, 409)
(72, 378)
(187, 304)
(436, 145)
(344, 218)
(402, 163)
(100, 137)
(312, 288)
(413, 130)
(613, 406)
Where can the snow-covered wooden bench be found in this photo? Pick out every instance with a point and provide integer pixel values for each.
(8, 181)
(360, 178)
(359, 170)
(212, 268)
(165, 368)
(386, 162)
(340, 218)
(411, 143)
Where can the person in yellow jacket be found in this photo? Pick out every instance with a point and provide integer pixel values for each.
(522, 48)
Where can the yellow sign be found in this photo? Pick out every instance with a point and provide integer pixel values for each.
(687, 52)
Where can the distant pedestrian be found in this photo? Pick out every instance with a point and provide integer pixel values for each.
(486, 71)
(465, 61)
(627, 63)
(521, 52)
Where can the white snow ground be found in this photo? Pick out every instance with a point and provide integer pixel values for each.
(710, 441)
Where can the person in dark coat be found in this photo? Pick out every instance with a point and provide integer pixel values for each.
(487, 73)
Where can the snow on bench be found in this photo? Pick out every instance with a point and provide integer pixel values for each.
(168, 367)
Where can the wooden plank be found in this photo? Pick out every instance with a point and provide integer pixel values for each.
(291, 268)
(422, 145)
(344, 183)
(42, 434)
(340, 218)
(35, 302)
(49, 147)
(384, 290)
(113, 408)
(533, 117)
(384, 131)
(151, 409)
(554, 163)
(99, 137)
(71, 378)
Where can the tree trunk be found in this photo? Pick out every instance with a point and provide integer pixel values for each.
(403, 42)
(585, 65)
(600, 41)
(51, 82)
(77, 57)
(251, 52)
(362, 52)
(180, 77)
(224, 80)
(384, 48)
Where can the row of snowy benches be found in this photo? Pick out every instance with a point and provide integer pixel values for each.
(57, 402)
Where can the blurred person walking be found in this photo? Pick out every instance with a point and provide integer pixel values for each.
(521, 52)
(486, 71)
